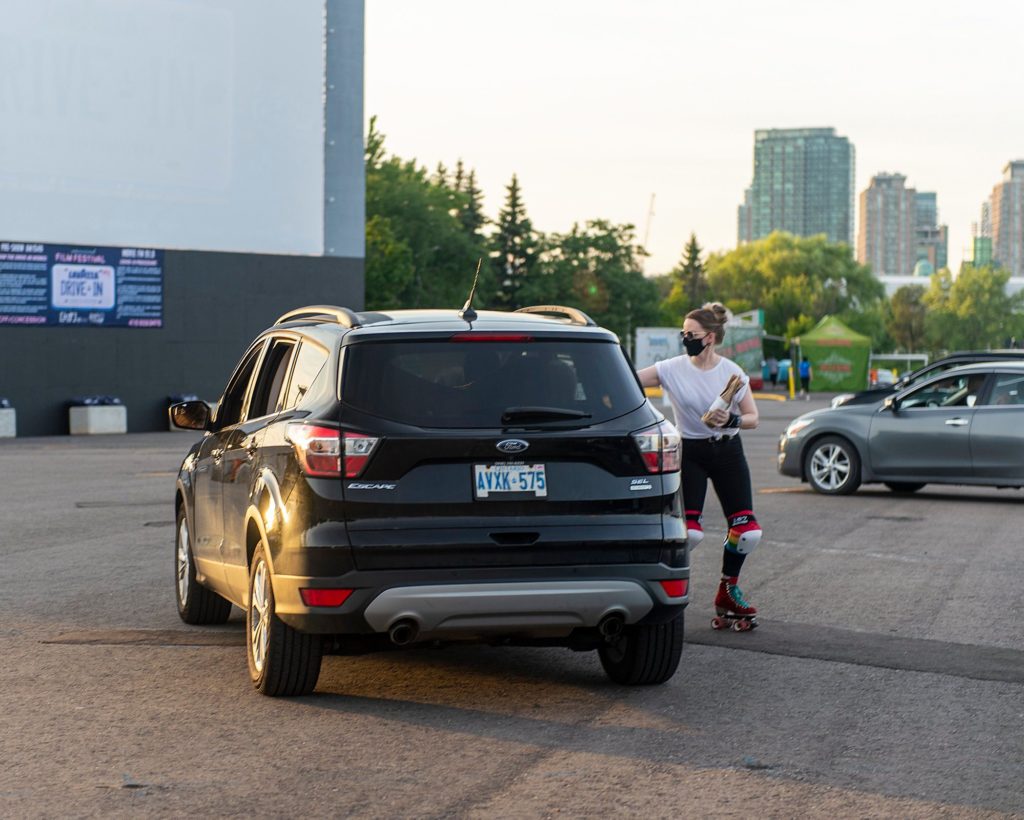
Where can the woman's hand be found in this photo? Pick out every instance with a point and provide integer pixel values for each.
(718, 418)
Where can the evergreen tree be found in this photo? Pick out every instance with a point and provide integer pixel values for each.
(514, 249)
(689, 284)
(472, 212)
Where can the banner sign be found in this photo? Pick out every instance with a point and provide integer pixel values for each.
(43, 284)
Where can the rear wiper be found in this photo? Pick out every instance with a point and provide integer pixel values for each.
(528, 414)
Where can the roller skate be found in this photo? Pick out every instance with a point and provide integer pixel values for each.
(733, 610)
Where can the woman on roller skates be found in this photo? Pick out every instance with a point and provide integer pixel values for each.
(712, 449)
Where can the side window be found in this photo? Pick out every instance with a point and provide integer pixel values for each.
(952, 391)
(230, 410)
(266, 394)
(309, 363)
(1007, 390)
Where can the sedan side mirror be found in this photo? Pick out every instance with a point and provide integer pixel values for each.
(891, 403)
(190, 415)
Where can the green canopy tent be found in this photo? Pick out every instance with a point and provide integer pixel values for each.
(838, 356)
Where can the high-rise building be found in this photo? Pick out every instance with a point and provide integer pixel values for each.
(931, 237)
(887, 239)
(803, 184)
(1007, 214)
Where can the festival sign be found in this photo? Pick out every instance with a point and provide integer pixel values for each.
(79, 285)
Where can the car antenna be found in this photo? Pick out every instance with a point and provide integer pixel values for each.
(467, 313)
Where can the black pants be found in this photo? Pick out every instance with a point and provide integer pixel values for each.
(722, 462)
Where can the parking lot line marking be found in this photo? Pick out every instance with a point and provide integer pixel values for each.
(777, 490)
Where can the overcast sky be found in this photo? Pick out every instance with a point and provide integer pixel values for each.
(597, 105)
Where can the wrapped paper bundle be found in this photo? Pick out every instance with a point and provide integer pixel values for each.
(724, 400)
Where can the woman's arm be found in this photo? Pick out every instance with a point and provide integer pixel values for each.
(749, 417)
(649, 376)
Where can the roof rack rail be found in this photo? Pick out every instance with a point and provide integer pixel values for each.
(323, 313)
(574, 315)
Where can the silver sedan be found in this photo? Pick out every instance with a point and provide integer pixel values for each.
(965, 426)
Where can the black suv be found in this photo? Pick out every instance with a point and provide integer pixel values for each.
(372, 480)
(878, 394)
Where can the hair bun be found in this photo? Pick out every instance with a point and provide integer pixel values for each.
(722, 313)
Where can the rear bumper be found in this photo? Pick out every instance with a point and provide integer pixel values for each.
(546, 601)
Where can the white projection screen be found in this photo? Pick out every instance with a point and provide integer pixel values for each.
(183, 124)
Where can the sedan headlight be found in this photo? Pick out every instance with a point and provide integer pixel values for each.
(841, 399)
(797, 426)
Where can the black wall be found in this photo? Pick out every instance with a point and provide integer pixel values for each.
(214, 304)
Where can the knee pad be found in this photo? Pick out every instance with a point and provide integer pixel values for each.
(744, 533)
(694, 530)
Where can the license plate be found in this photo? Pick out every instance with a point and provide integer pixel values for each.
(509, 478)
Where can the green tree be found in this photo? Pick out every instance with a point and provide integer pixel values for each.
(972, 311)
(389, 264)
(515, 248)
(471, 210)
(906, 323)
(413, 222)
(596, 268)
(794, 279)
(689, 284)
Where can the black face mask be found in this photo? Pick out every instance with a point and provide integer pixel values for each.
(694, 347)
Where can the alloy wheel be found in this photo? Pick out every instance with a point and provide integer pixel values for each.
(259, 616)
(183, 561)
(830, 466)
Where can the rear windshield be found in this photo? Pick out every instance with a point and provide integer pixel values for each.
(440, 383)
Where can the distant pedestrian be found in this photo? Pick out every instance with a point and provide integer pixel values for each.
(805, 379)
(773, 371)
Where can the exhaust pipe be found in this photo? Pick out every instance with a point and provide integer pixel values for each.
(403, 632)
(611, 626)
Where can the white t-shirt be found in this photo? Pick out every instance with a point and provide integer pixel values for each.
(692, 390)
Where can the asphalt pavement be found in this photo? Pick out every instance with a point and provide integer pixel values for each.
(886, 678)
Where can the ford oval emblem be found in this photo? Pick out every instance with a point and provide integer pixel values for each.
(512, 445)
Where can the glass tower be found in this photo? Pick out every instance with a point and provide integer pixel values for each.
(803, 184)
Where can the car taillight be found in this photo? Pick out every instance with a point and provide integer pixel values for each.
(661, 448)
(318, 449)
(358, 449)
(320, 453)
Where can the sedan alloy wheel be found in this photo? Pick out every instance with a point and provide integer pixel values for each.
(833, 466)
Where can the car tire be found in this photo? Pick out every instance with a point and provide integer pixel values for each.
(644, 654)
(197, 605)
(832, 466)
(282, 661)
(904, 486)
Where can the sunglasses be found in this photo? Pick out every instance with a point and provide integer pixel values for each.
(689, 336)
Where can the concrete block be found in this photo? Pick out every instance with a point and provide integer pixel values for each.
(8, 422)
(97, 420)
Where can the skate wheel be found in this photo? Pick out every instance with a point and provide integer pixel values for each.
(741, 625)
(718, 623)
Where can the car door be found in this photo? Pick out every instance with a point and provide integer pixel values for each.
(241, 458)
(926, 432)
(208, 523)
(997, 432)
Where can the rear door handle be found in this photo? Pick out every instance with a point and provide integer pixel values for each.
(957, 422)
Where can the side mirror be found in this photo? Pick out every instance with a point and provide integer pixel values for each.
(891, 403)
(190, 415)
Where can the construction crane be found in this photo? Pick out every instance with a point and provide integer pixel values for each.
(647, 230)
